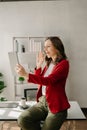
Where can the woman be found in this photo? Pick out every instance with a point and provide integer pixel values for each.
(52, 102)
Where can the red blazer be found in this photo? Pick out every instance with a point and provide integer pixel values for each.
(55, 85)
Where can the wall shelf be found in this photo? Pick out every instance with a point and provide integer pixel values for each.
(27, 49)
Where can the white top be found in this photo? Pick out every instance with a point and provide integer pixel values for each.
(49, 70)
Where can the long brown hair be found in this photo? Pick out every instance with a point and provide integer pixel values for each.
(57, 43)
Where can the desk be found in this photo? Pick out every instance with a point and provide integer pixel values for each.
(12, 114)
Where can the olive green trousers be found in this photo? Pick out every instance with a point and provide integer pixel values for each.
(31, 118)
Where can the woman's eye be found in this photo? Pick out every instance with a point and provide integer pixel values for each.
(46, 47)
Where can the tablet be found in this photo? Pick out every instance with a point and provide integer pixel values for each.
(13, 58)
(26, 59)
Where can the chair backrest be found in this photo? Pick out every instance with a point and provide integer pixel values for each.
(30, 94)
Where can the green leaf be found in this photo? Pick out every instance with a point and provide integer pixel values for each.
(21, 79)
(1, 74)
(2, 83)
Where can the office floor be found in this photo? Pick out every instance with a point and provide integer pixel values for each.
(68, 125)
(9, 125)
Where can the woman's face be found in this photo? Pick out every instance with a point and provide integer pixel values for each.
(50, 50)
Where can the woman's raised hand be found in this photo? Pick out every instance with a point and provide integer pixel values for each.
(21, 71)
(40, 59)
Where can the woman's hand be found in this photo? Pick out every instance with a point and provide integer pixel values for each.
(21, 71)
(40, 60)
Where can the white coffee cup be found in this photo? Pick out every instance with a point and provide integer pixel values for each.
(23, 102)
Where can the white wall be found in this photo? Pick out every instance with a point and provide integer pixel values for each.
(66, 18)
(78, 32)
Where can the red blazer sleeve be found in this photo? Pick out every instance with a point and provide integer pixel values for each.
(59, 72)
(38, 71)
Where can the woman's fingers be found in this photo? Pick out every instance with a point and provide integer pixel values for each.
(40, 59)
(41, 56)
(19, 69)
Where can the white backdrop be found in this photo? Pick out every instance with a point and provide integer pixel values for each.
(65, 18)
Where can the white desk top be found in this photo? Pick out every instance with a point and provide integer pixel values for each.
(75, 111)
(12, 114)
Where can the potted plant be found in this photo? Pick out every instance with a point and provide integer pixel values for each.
(2, 85)
(21, 79)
